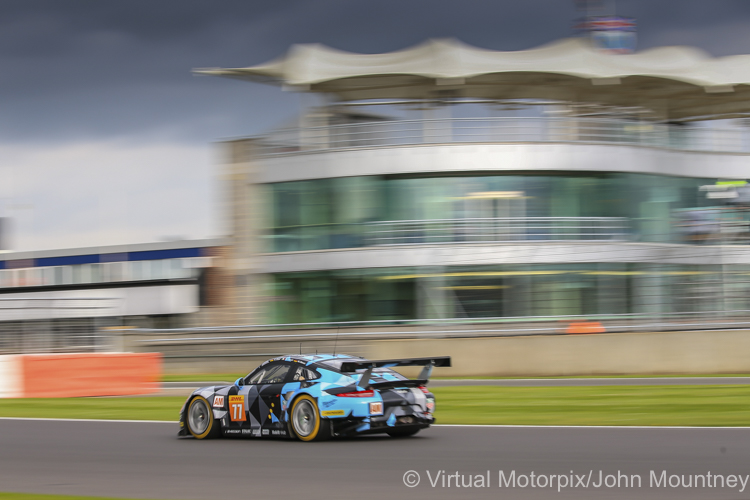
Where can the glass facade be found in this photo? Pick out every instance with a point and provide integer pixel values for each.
(399, 294)
(365, 211)
(534, 207)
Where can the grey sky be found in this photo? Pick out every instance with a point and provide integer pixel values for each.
(101, 119)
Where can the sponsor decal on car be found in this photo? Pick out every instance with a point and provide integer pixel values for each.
(265, 432)
(430, 404)
(376, 408)
(332, 413)
(247, 431)
(278, 433)
(237, 408)
(232, 431)
(218, 401)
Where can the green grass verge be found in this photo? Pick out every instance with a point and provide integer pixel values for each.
(614, 405)
(719, 405)
(145, 408)
(35, 496)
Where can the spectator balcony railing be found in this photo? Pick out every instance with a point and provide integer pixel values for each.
(496, 229)
(390, 133)
(446, 231)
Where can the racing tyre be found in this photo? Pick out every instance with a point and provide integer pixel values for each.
(200, 419)
(398, 433)
(306, 422)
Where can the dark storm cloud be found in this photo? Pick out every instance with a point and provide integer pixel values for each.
(78, 69)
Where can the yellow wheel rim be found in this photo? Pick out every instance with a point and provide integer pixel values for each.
(200, 418)
(305, 418)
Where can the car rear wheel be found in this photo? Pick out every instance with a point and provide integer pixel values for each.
(306, 422)
(397, 433)
(200, 419)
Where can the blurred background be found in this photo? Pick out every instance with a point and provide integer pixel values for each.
(512, 170)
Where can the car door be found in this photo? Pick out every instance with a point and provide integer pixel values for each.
(264, 398)
(238, 401)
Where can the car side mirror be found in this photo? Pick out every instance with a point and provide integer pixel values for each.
(239, 382)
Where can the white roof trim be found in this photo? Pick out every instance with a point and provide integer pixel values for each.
(678, 83)
(449, 59)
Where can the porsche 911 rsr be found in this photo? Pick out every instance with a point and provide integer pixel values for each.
(315, 397)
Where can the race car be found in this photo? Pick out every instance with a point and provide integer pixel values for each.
(315, 397)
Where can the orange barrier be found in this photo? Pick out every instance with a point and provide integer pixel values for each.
(95, 374)
(585, 327)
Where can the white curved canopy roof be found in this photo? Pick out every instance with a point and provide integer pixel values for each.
(675, 82)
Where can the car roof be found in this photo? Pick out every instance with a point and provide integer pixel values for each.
(312, 359)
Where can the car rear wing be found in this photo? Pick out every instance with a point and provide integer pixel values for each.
(353, 366)
(368, 366)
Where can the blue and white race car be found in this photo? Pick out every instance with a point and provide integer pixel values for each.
(315, 397)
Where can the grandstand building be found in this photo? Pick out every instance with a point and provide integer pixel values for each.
(447, 181)
(63, 300)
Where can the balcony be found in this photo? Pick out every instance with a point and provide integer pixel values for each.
(451, 231)
(724, 228)
(498, 130)
(497, 229)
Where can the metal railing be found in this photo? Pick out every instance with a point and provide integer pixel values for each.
(496, 229)
(445, 231)
(265, 340)
(505, 130)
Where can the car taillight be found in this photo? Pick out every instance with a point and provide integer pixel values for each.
(356, 394)
(424, 389)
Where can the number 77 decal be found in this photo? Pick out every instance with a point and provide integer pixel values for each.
(237, 408)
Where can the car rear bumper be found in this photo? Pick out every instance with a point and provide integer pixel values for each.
(378, 424)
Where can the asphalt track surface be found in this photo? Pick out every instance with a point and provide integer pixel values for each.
(147, 460)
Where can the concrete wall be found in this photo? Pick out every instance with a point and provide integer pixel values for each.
(698, 352)
(429, 159)
(245, 206)
(600, 354)
(504, 253)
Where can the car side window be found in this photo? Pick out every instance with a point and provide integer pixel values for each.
(303, 374)
(275, 375)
